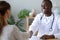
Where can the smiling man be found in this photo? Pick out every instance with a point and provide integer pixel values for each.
(46, 23)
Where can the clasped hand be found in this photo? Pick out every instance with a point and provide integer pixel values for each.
(47, 37)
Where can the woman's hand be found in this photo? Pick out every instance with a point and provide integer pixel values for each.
(30, 34)
(47, 37)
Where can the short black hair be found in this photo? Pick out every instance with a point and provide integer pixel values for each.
(50, 3)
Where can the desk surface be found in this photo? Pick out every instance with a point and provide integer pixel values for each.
(51, 39)
(54, 39)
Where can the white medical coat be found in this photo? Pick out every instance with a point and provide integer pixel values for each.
(43, 26)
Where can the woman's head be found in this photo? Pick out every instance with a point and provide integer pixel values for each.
(4, 13)
(46, 6)
(4, 8)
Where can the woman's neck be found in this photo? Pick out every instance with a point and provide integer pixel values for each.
(6, 23)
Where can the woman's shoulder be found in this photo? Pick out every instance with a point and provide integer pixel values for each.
(9, 28)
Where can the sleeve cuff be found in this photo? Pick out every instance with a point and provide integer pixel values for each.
(57, 36)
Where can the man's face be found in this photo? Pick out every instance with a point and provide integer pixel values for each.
(46, 7)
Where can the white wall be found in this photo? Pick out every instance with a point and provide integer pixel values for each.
(1, 0)
(17, 5)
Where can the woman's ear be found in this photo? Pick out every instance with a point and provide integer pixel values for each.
(7, 14)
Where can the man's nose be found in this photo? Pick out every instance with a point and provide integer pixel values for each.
(45, 7)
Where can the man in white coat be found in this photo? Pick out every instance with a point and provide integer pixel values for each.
(46, 23)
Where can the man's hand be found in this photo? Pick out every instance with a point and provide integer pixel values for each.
(48, 37)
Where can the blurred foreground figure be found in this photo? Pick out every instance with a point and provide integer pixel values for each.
(9, 32)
